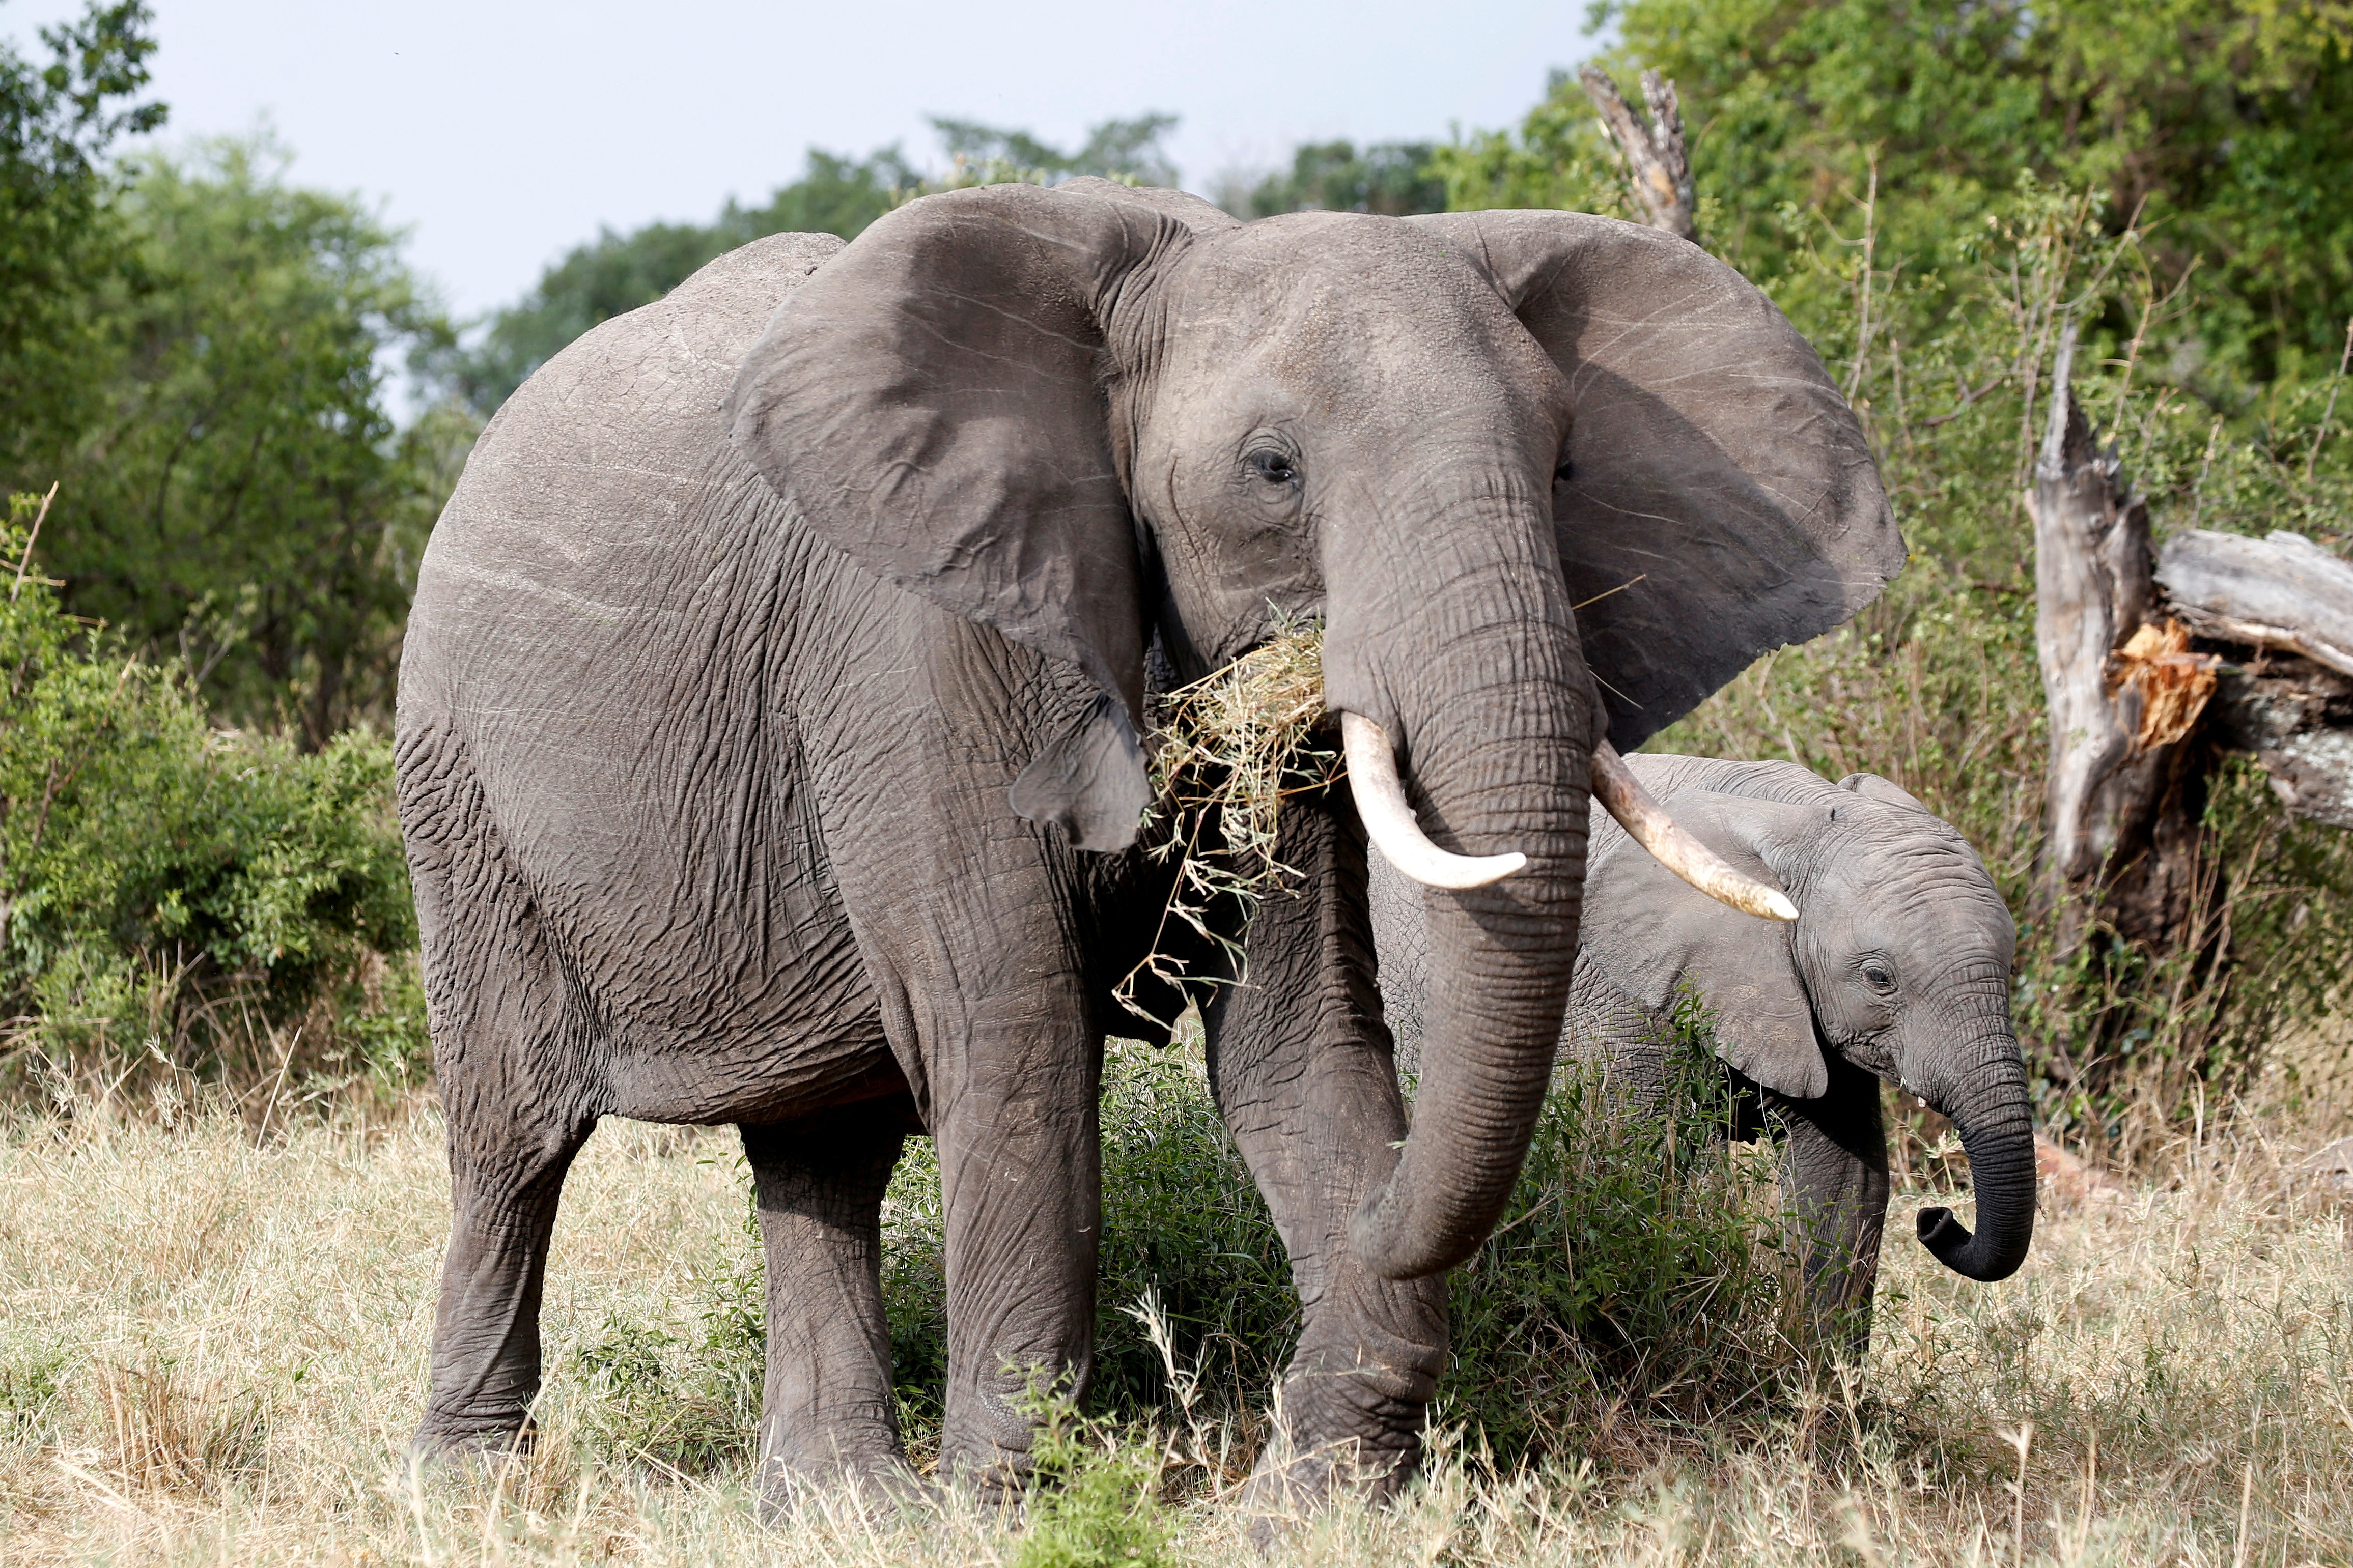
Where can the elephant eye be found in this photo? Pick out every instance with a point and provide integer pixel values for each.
(1274, 467)
(1879, 977)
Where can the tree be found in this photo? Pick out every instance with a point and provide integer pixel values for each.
(1115, 150)
(58, 236)
(2221, 125)
(1394, 178)
(245, 498)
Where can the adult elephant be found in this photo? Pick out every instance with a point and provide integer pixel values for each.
(1898, 969)
(769, 746)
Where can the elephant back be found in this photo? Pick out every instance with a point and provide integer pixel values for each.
(583, 480)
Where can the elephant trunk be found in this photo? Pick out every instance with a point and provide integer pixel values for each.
(1497, 734)
(1988, 1104)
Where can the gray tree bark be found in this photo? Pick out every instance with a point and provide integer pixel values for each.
(2123, 690)
(2283, 606)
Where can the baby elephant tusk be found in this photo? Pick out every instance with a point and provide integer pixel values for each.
(1389, 821)
(1615, 785)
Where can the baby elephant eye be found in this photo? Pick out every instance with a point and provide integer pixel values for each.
(1272, 466)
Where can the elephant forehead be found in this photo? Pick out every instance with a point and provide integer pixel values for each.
(1310, 298)
(1914, 883)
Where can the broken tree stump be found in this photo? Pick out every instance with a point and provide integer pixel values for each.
(2278, 611)
(1655, 155)
(2124, 688)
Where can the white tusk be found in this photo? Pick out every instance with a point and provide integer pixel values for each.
(1389, 821)
(1615, 785)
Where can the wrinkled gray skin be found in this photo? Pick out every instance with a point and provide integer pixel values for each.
(767, 745)
(1898, 967)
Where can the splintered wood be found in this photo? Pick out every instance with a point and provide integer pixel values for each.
(2172, 683)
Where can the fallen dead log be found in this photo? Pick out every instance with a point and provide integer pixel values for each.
(2278, 612)
(2280, 591)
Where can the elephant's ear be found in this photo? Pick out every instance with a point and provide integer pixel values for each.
(930, 401)
(1871, 786)
(1718, 489)
(1651, 933)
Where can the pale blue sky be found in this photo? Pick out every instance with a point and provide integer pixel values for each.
(502, 132)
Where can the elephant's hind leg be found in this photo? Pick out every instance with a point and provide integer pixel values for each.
(505, 1043)
(504, 1182)
(826, 1413)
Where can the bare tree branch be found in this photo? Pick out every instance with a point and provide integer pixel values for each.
(1656, 154)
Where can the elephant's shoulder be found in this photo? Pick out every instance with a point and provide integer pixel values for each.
(1602, 1021)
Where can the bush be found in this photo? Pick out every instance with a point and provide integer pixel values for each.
(210, 901)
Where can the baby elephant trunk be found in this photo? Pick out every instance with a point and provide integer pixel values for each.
(1989, 1107)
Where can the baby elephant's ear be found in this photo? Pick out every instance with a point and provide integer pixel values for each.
(930, 402)
(1651, 934)
(1718, 498)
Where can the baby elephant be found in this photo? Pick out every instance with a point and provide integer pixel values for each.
(1898, 967)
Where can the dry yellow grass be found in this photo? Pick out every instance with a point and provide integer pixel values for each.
(213, 1350)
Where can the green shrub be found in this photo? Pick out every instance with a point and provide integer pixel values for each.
(1094, 1502)
(210, 901)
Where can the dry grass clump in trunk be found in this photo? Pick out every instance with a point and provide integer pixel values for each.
(1227, 751)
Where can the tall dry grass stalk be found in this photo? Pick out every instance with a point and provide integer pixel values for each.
(212, 1349)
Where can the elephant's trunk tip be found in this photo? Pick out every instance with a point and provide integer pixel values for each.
(1971, 1256)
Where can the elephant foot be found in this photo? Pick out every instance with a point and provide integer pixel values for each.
(880, 1484)
(473, 1447)
(1337, 1438)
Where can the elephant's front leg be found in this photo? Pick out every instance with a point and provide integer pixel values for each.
(827, 1413)
(1303, 1068)
(1014, 1121)
(1834, 1186)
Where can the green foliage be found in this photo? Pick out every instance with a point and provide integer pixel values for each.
(1393, 178)
(58, 236)
(687, 1394)
(2219, 124)
(163, 884)
(1093, 1503)
(1126, 150)
(235, 490)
